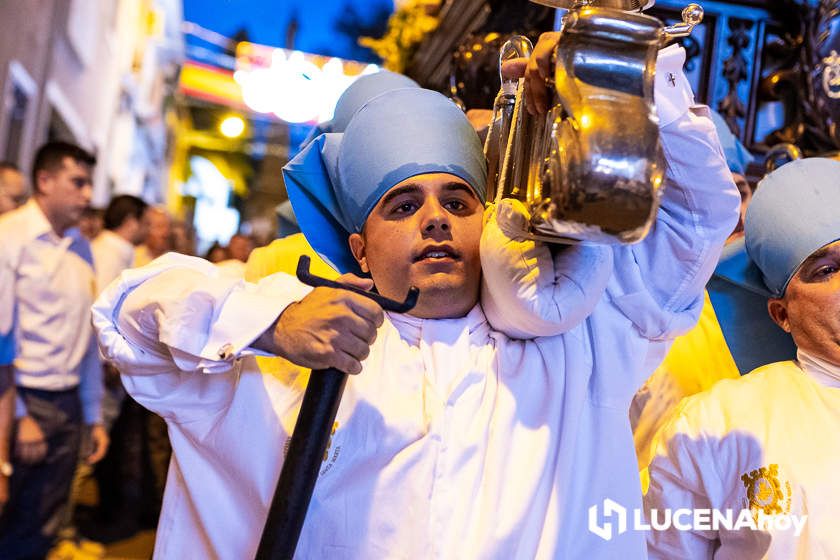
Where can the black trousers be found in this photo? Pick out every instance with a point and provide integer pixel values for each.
(127, 487)
(38, 494)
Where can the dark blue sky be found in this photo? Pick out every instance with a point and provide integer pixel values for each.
(266, 21)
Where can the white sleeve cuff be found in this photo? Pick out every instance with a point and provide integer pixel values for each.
(155, 316)
(245, 315)
(671, 92)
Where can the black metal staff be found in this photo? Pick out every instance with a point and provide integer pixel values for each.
(310, 437)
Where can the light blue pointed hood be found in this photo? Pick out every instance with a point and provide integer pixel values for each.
(335, 182)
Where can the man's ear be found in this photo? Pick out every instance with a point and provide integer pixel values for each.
(357, 247)
(43, 182)
(777, 309)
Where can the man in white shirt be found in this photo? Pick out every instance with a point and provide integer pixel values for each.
(158, 236)
(126, 226)
(46, 287)
(765, 446)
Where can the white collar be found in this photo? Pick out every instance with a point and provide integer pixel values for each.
(823, 372)
(36, 223)
(116, 240)
(412, 329)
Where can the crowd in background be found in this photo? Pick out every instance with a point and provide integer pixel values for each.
(116, 487)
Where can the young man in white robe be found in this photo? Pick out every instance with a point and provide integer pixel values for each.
(454, 440)
(765, 447)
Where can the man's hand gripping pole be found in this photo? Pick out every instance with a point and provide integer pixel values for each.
(310, 437)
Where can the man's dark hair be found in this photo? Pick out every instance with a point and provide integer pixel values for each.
(122, 207)
(50, 157)
(8, 166)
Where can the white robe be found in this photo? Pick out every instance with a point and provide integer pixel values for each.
(455, 441)
(728, 447)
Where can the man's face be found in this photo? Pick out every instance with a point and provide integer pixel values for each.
(66, 191)
(12, 190)
(158, 236)
(810, 307)
(91, 224)
(240, 247)
(140, 228)
(425, 232)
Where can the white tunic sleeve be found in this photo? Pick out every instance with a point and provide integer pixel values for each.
(680, 474)
(176, 329)
(658, 283)
(526, 290)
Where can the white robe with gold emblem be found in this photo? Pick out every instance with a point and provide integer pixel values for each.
(768, 442)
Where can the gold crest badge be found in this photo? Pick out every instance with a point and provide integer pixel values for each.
(765, 492)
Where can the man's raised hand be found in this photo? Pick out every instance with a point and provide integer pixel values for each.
(329, 328)
(536, 70)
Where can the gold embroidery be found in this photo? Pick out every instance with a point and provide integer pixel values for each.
(764, 491)
(329, 443)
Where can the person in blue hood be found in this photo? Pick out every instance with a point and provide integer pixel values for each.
(457, 438)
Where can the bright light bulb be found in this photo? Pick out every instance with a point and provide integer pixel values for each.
(232, 126)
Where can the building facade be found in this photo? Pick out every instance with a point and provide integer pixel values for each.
(97, 73)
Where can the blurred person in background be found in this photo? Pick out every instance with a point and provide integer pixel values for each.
(158, 450)
(738, 157)
(13, 192)
(47, 286)
(125, 227)
(183, 238)
(238, 250)
(91, 223)
(158, 238)
(240, 247)
(216, 253)
(7, 399)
